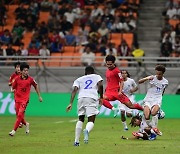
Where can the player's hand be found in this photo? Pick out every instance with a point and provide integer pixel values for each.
(130, 91)
(150, 77)
(124, 138)
(69, 107)
(40, 99)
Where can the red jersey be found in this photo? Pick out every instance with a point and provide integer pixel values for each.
(22, 88)
(12, 78)
(113, 78)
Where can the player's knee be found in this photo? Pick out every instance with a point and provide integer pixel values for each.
(123, 112)
(20, 114)
(147, 117)
(153, 113)
(81, 118)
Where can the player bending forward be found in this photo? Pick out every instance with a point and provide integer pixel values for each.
(88, 86)
(145, 132)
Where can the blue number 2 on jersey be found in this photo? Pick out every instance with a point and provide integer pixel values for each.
(88, 84)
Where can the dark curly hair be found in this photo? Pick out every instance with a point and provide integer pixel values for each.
(133, 119)
(160, 68)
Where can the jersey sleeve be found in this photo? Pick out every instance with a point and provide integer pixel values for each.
(11, 79)
(14, 83)
(134, 83)
(33, 82)
(119, 75)
(99, 78)
(76, 84)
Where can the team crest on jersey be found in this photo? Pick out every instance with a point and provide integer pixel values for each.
(120, 75)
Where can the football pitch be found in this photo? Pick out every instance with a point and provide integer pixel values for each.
(55, 135)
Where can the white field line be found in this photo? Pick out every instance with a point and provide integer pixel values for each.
(59, 122)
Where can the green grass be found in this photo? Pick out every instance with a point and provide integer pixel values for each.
(56, 135)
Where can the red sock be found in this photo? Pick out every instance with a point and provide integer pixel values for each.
(107, 104)
(137, 106)
(18, 121)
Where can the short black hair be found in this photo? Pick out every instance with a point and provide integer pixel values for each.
(160, 68)
(24, 65)
(16, 64)
(110, 58)
(89, 70)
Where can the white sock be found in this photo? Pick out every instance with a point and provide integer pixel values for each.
(78, 129)
(154, 121)
(89, 126)
(124, 124)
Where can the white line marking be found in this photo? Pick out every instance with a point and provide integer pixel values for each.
(75, 120)
(59, 122)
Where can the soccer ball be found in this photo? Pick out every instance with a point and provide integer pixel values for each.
(161, 114)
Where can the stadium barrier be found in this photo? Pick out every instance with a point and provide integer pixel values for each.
(75, 60)
(54, 104)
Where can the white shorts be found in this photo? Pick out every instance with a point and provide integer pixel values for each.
(87, 106)
(151, 103)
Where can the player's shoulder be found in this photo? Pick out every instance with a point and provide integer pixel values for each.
(130, 79)
(165, 80)
(31, 78)
(116, 69)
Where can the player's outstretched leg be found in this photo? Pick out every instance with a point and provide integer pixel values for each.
(109, 106)
(133, 106)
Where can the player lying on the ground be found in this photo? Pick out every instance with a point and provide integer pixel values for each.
(145, 132)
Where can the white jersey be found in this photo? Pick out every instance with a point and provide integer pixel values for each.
(156, 89)
(143, 125)
(87, 85)
(128, 85)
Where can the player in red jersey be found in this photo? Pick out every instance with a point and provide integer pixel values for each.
(22, 86)
(12, 78)
(15, 74)
(114, 87)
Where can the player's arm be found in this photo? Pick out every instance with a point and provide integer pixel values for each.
(135, 88)
(128, 138)
(145, 79)
(100, 91)
(121, 84)
(38, 92)
(10, 81)
(73, 94)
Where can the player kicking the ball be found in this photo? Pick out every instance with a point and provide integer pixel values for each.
(114, 87)
(88, 86)
(153, 99)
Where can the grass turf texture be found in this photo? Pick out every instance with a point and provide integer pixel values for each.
(56, 135)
